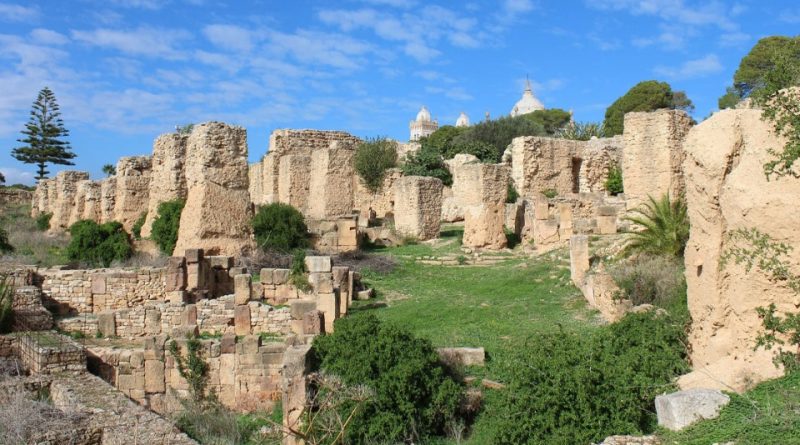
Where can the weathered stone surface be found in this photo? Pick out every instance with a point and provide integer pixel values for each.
(313, 322)
(539, 164)
(651, 160)
(315, 264)
(462, 356)
(217, 213)
(300, 307)
(328, 304)
(242, 285)
(331, 187)
(678, 410)
(168, 178)
(66, 187)
(418, 206)
(106, 323)
(726, 190)
(578, 258)
(631, 440)
(108, 196)
(294, 181)
(241, 319)
(484, 204)
(599, 155)
(381, 202)
(154, 376)
(132, 189)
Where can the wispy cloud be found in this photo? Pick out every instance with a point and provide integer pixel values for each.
(143, 41)
(18, 13)
(790, 16)
(690, 69)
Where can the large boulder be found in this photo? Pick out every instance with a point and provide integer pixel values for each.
(726, 190)
(216, 217)
(678, 410)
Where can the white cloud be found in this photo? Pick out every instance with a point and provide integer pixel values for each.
(143, 4)
(143, 41)
(17, 176)
(17, 13)
(734, 38)
(48, 37)
(518, 6)
(790, 16)
(701, 67)
(230, 37)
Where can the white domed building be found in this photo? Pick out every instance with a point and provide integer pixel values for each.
(528, 103)
(423, 126)
(463, 120)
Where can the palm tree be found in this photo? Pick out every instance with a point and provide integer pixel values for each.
(662, 227)
(109, 170)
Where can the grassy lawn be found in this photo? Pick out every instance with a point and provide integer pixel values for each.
(768, 414)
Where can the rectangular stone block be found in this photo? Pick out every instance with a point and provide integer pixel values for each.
(189, 314)
(298, 308)
(541, 209)
(107, 324)
(607, 225)
(321, 282)
(194, 255)
(280, 276)
(228, 344)
(339, 275)
(220, 261)
(250, 344)
(241, 319)
(328, 304)
(99, 285)
(176, 296)
(606, 211)
(267, 276)
(313, 323)
(242, 288)
(233, 271)
(317, 264)
(154, 376)
(578, 258)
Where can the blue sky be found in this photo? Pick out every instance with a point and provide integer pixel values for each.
(125, 71)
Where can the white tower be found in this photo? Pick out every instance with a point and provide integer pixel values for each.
(423, 126)
(528, 103)
(463, 120)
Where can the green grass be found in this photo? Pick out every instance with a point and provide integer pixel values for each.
(31, 245)
(767, 414)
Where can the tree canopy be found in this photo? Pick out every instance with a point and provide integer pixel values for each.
(44, 135)
(649, 95)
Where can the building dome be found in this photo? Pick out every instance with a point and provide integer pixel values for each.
(463, 120)
(528, 103)
(424, 115)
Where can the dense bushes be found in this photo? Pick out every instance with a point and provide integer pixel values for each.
(136, 230)
(663, 227)
(279, 227)
(656, 280)
(165, 227)
(43, 221)
(427, 161)
(577, 389)
(5, 245)
(613, 184)
(414, 397)
(373, 158)
(98, 244)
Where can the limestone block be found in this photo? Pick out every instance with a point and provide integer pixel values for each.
(177, 296)
(194, 255)
(108, 195)
(313, 323)
(318, 264)
(331, 185)
(365, 294)
(132, 189)
(241, 319)
(184, 331)
(267, 276)
(541, 208)
(66, 188)
(328, 304)
(578, 259)
(340, 275)
(462, 356)
(154, 381)
(280, 276)
(606, 225)
(539, 164)
(217, 213)
(678, 410)
(106, 323)
(228, 343)
(189, 315)
(484, 215)
(726, 190)
(250, 344)
(168, 177)
(98, 285)
(294, 180)
(300, 307)
(651, 160)
(220, 262)
(347, 231)
(242, 285)
(418, 206)
(545, 232)
(321, 282)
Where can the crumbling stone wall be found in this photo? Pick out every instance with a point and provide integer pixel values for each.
(597, 157)
(331, 184)
(484, 209)
(651, 161)
(294, 177)
(726, 190)
(89, 194)
(108, 197)
(15, 196)
(217, 213)
(132, 189)
(168, 180)
(382, 201)
(418, 206)
(539, 164)
(255, 174)
(66, 187)
(49, 353)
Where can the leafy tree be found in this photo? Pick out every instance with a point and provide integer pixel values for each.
(109, 170)
(614, 185)
(414, 396)
(279, 227)
(730, 99)
(2, 178)
(551, 120)
(663, 227)
(43, 136)
(373, 158)
(166, 225)
(427, 161)
(762, 59)
(649, 95)
(98, 244)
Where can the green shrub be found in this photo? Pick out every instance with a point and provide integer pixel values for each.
(43, 221)
(98, 244)
(136, 230)
(427, 161)
(414, 396)
(581, 131)
(279, 227)
(5, 245)
(297, 274)
(549, 193)
(662, 227)
(484, 151)
(579, 389)
(649, 95)
(613, 182)
(166, 225)
(193, 368)
(373, 158)
(6, 304)
(511, 193)
(656, 280)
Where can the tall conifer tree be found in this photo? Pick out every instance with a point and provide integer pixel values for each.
(44, 136)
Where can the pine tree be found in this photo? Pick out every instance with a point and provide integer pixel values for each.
(44, 136)
(109, 170)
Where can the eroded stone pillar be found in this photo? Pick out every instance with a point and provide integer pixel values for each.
(66, 187)
(484, 216)
(132, 189)
(168, 180)
(418, 206)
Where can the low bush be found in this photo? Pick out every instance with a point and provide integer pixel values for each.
(662, 227)
(6, 304)
(656, 280)
(549, 193)
(297, 274)
(414, 396)
(98, 244)
(511, 193)
(280, 227)
(5, 245)
(166, 225)
(43, 221)
(373, 157)
(136, 230)
(613, 184)
(577, 389)
(427, 161)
